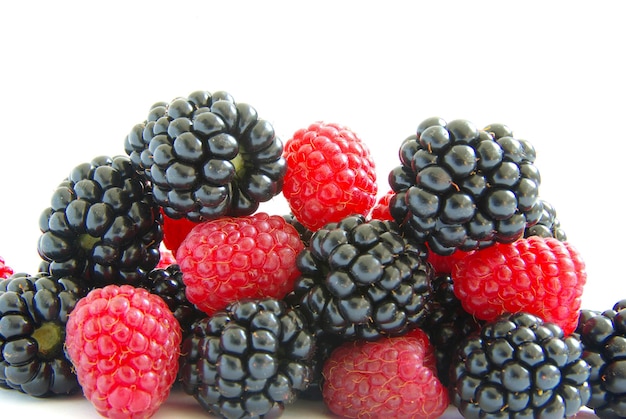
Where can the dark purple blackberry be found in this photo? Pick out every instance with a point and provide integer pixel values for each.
(305, 233)
(33, 314)
(459, 187)
(446, 323)
(207, 156)
(548, 224)
(604, 340)
(168, 284)
(248, 360)
(102, 225)
(520, 367)
(361, 280)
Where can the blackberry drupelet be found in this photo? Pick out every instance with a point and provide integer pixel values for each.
(305, 233)
(361, 280)
(604, 340)
(548, 224)
(102, 225)
(446, 323)
(459, 187)
(207, 156)
(33, 315)
(248, 360)
(520, 367)
(168, 284)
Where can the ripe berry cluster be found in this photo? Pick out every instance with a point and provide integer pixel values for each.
(457, 285)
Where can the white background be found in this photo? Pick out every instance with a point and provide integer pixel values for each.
(76, 76)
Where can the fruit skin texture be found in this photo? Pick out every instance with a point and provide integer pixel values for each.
(362, 280)
(207, 156)
(330, 175)
(248, 360)
(393, 377)
(124, 344)
(604, 339)
(519, 366)
(537, 275)
(33, 316)
(231, 258)
(102, 225)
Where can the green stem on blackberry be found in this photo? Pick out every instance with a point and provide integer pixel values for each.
(49, 338)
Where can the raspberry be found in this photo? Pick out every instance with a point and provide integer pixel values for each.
(537, 275)
(102, 225)
(518, 366)
(248, 360)
(362, 280)
(5, 271)
(124, 344)
(444, 264)
(166, 259)
(33, 316)
(175, 231)
(207, 156)
(604, 339)
(459, 187)
(168, 284)
(380, 210)
(231, 258)
(330, 175)
(392, 377)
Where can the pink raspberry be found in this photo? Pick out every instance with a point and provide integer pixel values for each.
(394, 377)
(124, 344)
(330, 175)
(5, 271)
(167, 258)
(232, 258)
(536, 275)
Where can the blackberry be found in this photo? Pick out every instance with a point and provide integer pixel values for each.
(520, 367)
(102, 225)
(459, 187)
(548, 224)
(248, 360)
(446, 324)
(305, 233)
(207, 156)
(168, 284)
(33, 315)
(604, 339)
(361, 280)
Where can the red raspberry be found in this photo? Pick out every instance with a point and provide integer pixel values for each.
(231, 258)
(5, 271)
(444, 264)
(393, 377)
(330, 175)
(380, 211)
(175, 231)
(537, 275)
(167, 258)
(124, 344)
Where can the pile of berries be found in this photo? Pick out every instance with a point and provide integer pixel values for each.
(456, 286)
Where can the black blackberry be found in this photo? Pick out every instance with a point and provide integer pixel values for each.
(168, 284)
(604, 340)
(459, 187)
(207, 156)
(520, 367)
(33, 314)
(362, 279)
(248, 360)
(305, 233)
(446, 323)
(102, 225)
(548, 224)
